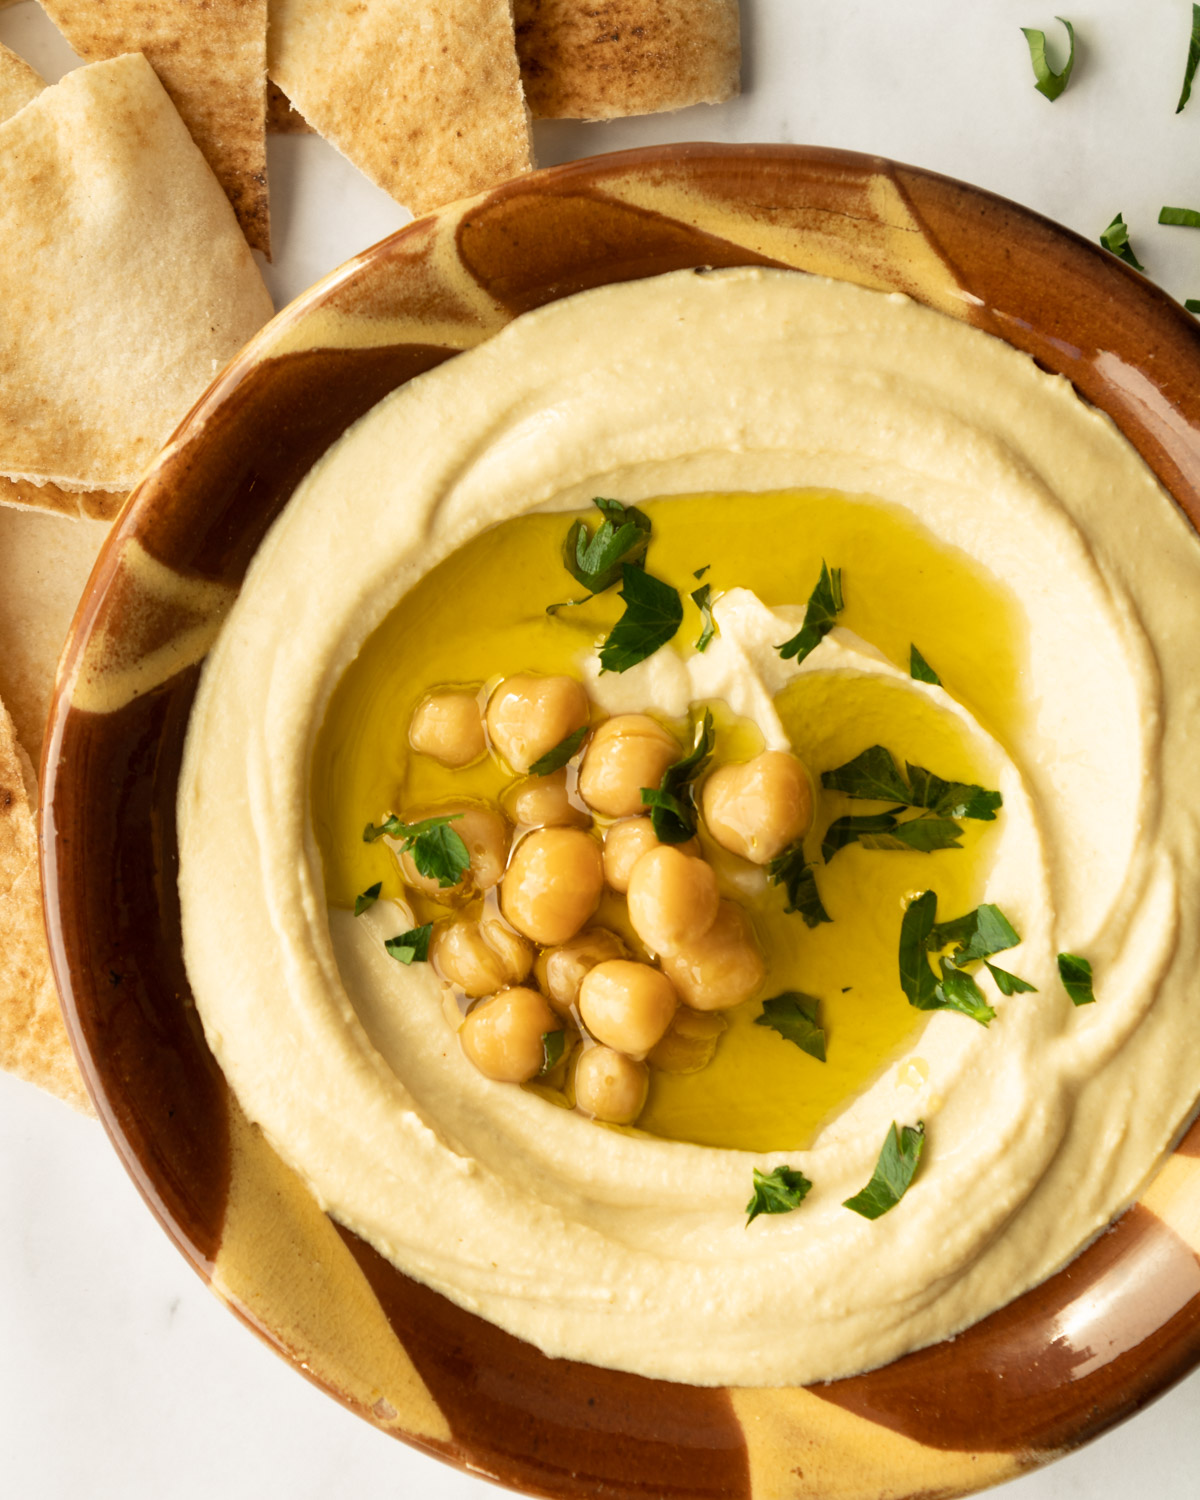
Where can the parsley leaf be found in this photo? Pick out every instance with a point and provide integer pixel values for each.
(554, 759)
(1049, 83)
(553, 1045)
(917, 979)
(411, 946)
(979, 934)
(960, 992)
(825, 603)
(1189, 218)
(1192, 304)
(437, 850)
(1076, 975)
(777, 1192)
(874, 776)
(798, 878)
(1193, 58)
(367, 898)
(894, 1171)
(919, 669)
(924, 834)
(653, 613)
(702, 599)
(672, 803)
(596, 559)
(794, 1016)
(1116, 239)
(700, 572)
(1009, 984)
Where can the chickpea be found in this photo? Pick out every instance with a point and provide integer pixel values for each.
(690, 1043)
(560, 970)
(486, 835)
(610, 1086)
(624, 845)
(627, 753)
(722, 968)
(478, 958)
(673, 899)
(553, 884)
(627, 1005)
(543, 802)
(503, 1036)
(759, 808)
(528, 716)
(448, 727)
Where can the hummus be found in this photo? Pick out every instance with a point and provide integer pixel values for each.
(615, 1247)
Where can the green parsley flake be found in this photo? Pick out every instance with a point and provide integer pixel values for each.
(919, 669)
(702, 599)
(555, 759)
(437, 850)
(825, 603)
(1076, 975)
(894, 1171)
(1188, 218)
(793, 1015)
(672, 802)
(596, 559)
(653, 613)
(1193, 58)
(776, 1192)
(411, 946)
(1116, 239)
(553, 1045)
(367, 898)
(799, 880)
(1047, 82)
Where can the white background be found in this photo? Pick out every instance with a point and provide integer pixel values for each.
(120, 1375)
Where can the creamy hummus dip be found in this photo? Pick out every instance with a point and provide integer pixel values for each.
(617, 1247)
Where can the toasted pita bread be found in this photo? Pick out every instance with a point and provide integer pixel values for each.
(423, 96)
(283, 118)
(33, 1038)
(18, 82)
(211, 56)
(597, 59)
(144, 289)
(98, 505)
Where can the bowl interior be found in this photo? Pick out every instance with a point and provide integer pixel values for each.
(1053, 1368)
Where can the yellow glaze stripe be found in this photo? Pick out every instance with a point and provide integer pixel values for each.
(284, 1266)
(800, 1447)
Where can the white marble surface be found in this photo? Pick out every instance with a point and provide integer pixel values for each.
(121, 1378)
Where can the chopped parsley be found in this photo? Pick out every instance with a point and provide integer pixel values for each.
(919, 669)
(672, 803)
(874, 776)
(411, 946)
(894, 1171)
(777, 1192)
(825, 603)
(1076, 975)
(554, 759)
(798, 878)
(793, 1015)
(367, 898)
(700, 572)
(653, 613)
(1193, 304)
(553, 1045)
(437, 850)
(702, 599)
(975, 937)
(596, 558)
(1189, 218)
(1116, 239)
(1193, 58)
(1047, 82)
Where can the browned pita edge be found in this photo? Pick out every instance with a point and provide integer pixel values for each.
(94, 505)
(33, 1036)
(211, 56)
(598, 59)
(423, 96)
(283, 118)
(145, 286)
(18, 82)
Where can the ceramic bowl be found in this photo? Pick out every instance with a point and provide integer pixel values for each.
(1050, 1370)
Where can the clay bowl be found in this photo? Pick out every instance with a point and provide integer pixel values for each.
(1052, 1369)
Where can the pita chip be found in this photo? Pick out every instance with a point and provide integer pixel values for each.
(99, 505)
(18, 83)
(211, 57)
(33, 1036)
(145, 287)
(598, 59)
(423, 96)
(282, 116)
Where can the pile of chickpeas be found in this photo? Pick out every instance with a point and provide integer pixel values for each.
(529, 963)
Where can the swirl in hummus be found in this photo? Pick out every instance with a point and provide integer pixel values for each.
(979, 510)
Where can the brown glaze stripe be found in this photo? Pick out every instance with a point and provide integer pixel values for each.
(1083, 1350)
(554, 1427)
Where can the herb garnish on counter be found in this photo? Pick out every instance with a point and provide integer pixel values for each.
(555, 759)
(1116, 239)
(672, 803)
(777, 1192)
(1188, 218)
(1193, 59)
(367, 898)
(798, 878)
(1076, 975)
(793, 1014)
(825, 603)
(437, 850)
(411, 946)
(1049, 83)
(894, 1171)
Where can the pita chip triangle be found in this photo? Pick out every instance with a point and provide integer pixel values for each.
(18, 83)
